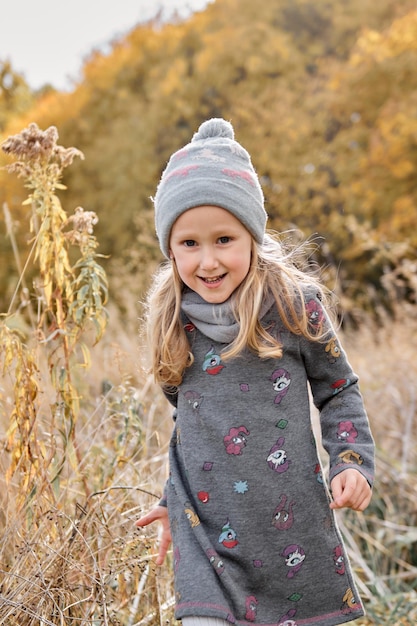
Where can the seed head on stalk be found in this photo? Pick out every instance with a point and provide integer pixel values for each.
(41, 162)
(32, 145)
(70, 297)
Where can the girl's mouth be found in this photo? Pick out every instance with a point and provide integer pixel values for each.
(212, 281)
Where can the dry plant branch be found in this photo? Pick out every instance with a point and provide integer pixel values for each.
(72, 297)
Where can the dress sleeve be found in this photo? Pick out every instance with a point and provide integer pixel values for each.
(346, 434)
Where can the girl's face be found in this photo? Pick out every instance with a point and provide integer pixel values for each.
(212, 251)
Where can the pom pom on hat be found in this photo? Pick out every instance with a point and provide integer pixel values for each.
(216, 127)
(213, 169)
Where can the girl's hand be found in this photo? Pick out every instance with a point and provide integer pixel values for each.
(350, 489)
(158, 514)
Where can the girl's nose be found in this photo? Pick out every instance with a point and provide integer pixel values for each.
(208, 260)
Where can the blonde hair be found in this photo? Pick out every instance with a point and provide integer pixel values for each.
(272, 271)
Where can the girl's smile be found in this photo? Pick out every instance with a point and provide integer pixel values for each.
(212, 251)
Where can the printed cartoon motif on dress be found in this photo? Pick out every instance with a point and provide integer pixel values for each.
(251, 606)
(212, 363)
(294, 556)
(283, 517)
(191, 515)
(333, 350)
(203, 496)
(236, 440)
(215, 561)
(315, 315)
(228, 536)
(287, 619)
(346, 432)
(277, 457)
(349, 602)
(240, 486)
(340, 385)
(189, 327)
(350, 457)
(339, 560)
(282, 423)
(281, 380)
(194, 399)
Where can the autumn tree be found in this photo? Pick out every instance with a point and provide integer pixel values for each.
(322, 95)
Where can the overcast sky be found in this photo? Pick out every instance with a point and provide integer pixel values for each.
(47, 40)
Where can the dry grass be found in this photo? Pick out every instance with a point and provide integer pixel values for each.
(383, 541)
(81, 561)
(73, 556)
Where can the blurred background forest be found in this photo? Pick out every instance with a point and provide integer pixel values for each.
(324, 96)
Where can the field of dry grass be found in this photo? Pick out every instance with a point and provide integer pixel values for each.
(383, 541)
(73, 555)
(69, 551)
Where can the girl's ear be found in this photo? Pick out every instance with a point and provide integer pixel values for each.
(171, 256)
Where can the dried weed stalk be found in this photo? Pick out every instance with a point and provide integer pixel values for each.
(68, 298)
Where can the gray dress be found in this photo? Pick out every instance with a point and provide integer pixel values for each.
(254, 539)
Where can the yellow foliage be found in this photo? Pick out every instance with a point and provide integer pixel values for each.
(321, 98)
(393, 140)
(375, 46)
(174, 78)
(19, 362)
(403, 214)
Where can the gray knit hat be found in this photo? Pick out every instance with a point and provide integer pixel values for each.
(211, 170)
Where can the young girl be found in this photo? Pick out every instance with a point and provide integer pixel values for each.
(239, 335)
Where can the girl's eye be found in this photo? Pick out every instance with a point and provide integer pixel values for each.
(224, 239)
(189, 243)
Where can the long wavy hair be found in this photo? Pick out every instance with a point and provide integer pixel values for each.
(273, 270)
